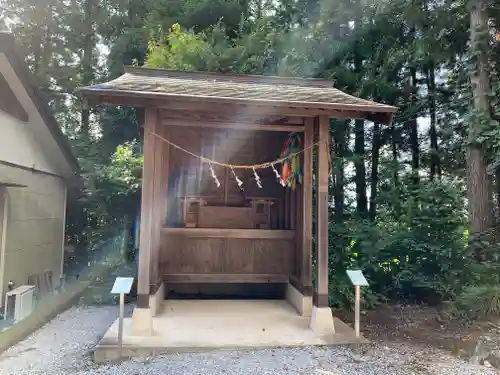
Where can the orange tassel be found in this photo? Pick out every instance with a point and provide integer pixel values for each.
(285, 173)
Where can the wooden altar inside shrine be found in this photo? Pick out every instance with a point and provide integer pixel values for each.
(197, 225)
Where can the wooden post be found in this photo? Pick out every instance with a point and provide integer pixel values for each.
(160, 203)
(281, 222)
(120, 325)
(357, 309)
(306, 205)
(298, 230)
(147, 205)
(320, 298)
(157, 207)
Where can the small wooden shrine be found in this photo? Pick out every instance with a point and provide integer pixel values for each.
(227, 180)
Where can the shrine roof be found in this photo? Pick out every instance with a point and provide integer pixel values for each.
(298, 93)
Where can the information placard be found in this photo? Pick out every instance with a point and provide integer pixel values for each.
(122, 285)
(357, 277)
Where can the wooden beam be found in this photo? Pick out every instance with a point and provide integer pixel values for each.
(306, 204)
(257, 110)
(229, 118)
(271, 234)
(147, 204)
(320, 298)
(225, 278)
(232, 125)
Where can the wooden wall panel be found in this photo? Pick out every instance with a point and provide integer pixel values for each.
(184, 255)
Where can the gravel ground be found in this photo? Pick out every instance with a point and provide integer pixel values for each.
(64, 347)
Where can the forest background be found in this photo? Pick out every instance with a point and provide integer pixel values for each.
(415, 205)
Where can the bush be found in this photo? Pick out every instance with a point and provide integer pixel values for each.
(476, 302)
(416, 251)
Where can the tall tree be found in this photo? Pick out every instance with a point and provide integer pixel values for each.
(413, 123)
(478, 181)
(87, 66)
(374, 177)
(430, 79)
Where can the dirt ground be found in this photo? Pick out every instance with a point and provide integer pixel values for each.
(422, 325)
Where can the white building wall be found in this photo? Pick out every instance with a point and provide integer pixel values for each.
(35, 219)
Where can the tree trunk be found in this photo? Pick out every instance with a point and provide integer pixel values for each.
(497, 193)
(359, 163)
(478, 182)
(415, 152)
(338, 166)
(435, 166)
(374, 172)
(359, 139)
(394, 149)
(87, 72)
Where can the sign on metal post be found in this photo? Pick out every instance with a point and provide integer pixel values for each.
(358, 280)
(122, 286)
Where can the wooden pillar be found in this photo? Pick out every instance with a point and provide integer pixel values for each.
(147, 208)
(293, 208)
(160, 203)
(287, 209)
(306, 206)
(299, 232)
(281, 214)
(320, 297)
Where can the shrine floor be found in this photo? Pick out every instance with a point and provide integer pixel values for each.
(206, 325)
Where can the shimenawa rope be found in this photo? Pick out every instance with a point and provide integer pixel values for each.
(234, 166)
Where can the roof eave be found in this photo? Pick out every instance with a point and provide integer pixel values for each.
(383, 113)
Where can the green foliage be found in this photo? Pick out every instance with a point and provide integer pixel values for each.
(213, 51)
(416, 250)
(126, 167)
(476, 302)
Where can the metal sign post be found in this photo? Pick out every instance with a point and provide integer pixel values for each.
(122, 286)
(358, 280)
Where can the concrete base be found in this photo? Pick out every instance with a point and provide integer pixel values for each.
(141, 323)
(301, 303)
(322, 321)
(205, 325)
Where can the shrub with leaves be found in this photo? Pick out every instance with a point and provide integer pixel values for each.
(418, 253)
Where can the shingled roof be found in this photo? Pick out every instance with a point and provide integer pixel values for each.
(257, 90)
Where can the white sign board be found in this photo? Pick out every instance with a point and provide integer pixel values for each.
(357, 278)
(122, 285)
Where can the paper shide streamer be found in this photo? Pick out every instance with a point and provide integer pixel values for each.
(257, 178)
(238, 181)
(278, 176)
(216, 180)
